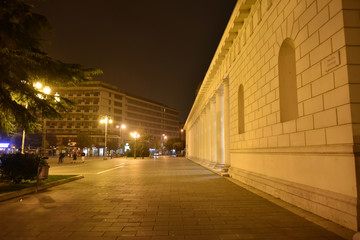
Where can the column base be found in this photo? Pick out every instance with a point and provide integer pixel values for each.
(225, 171)
(219, 166)
(211, 165)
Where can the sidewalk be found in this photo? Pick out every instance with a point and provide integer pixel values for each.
(146, 199)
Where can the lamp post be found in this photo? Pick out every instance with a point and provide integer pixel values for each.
(181, 134)
(120, 127)
(44, 91)
(163, 138)
(23, 138)
(136, 136)
(106, 120)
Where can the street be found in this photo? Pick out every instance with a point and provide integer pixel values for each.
(163, 198)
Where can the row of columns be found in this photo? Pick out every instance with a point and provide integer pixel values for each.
(208, 138)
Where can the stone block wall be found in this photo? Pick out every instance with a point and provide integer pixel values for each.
(308, 157)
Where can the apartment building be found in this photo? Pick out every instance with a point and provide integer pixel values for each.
(95, 100)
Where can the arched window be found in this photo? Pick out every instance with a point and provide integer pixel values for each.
(287, 81)
(241, 116)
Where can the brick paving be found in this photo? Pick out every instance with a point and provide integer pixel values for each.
(166, 198)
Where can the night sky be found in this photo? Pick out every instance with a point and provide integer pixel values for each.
(156, 49)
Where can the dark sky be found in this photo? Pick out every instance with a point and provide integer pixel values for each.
(156, 49)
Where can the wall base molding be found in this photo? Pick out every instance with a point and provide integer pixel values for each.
(336, 207)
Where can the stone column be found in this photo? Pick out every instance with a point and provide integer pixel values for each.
(220, 163)
(213, 131)
(203, 136)
(188, 141)
(196, 143)
(226, 126)
(208, 134)
(201, 141)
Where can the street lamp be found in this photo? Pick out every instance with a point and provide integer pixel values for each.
(120, 127)
(163, 138)
(181, 134)
(45, 90)
(136, 136)
(106, 120)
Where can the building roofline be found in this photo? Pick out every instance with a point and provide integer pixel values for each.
(235, 25)
(115, 88)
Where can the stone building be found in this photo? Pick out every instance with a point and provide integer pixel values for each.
(95, 100)
(279, 108)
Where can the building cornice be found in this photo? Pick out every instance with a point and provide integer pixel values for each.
(234, 26)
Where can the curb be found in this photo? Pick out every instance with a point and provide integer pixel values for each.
(19, 193)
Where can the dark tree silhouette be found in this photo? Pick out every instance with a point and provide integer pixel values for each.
(23, 63)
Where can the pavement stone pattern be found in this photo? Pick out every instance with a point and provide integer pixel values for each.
(141, 199)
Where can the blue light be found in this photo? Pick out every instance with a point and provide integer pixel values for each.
(4, 145)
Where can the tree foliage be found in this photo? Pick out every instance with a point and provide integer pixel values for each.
(22, 63)
(170, 142)
(142, 144)
(83, 140)
(174, 143)
(112, 144)
(178, 146)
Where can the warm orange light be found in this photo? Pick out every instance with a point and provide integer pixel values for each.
(38, 85)
(106, 120)
(135, 135)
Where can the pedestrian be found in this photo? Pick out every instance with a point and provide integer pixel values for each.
(61, 157)
(74, 157)
(83, 157)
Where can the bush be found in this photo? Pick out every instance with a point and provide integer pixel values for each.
(18, 167)
(139, 153)
(129, 153)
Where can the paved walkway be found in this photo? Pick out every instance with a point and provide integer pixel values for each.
(166, 198)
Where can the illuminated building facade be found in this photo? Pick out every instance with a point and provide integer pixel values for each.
(95, 100)
(279, 107)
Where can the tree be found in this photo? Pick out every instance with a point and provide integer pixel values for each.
(22, 63)
(169, 143)
(174, 143)
(154, 142)
(143, 148)
(178, 146)
(112, 144)
(142, 144)
(83, 140)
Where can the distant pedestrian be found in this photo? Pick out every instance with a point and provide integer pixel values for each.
(61, 157)
(83, 157)
(74, 157)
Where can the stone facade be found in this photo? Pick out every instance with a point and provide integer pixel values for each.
(279, 108)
